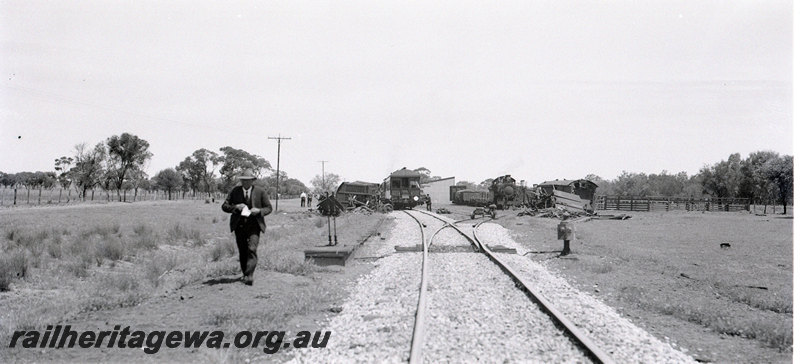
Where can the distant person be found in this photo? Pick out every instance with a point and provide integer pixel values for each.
(303, 199)
(428, 202)
(247, 204)
(310, 200)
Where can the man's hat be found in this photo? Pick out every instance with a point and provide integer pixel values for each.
(246, 174)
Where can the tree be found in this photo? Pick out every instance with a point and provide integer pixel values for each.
(190, 174)
(754, 185)
(723, 178)
(425, 174)
(292, 186)
(470, 185)
(88, 169)
(199, 168)
(631, 184)
(780, 171)
(26, 180)
(234, 161)
(289, 186)
(331, 183)
(486, 184)
(125, 153)
(603, 186)
(62, 167)
(137, 179)
(168, 180)
(8, 179)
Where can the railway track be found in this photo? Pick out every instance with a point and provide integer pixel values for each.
(423, 325)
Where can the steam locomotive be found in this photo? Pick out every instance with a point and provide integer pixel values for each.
(503, 193)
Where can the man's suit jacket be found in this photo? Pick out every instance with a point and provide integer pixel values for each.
(258, 198)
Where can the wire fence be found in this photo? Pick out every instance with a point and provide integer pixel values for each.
(629, 203)
(20, 196)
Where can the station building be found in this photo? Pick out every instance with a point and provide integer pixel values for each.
(439, 189)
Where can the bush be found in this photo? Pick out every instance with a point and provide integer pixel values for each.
(222, 249)
(110, 248)
(12, 266)
(142, 229)
(145, 242)
(290, 263)
(178, 234)
(54, 248)
(157, 265)
(117, 282)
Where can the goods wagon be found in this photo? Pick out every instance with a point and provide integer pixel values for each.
(358, 193)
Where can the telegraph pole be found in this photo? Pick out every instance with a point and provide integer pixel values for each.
(278, 175)
(323, 174)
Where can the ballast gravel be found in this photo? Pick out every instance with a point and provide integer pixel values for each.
(475, 313)
(620, 338)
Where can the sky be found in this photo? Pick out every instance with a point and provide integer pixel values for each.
(470, 89)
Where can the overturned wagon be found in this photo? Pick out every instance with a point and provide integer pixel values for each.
(575, 194)
(358, 193)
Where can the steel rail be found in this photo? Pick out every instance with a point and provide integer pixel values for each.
(592, 349)
(419, 319)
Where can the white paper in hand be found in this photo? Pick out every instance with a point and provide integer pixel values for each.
(245, 211)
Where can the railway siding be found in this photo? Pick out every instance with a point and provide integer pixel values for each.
(476, 314)
(376, 322)
(465, 324)
(620, 338)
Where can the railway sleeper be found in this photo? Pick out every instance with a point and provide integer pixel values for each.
(453, 249)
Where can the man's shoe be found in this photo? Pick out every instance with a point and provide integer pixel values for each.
(248, 281)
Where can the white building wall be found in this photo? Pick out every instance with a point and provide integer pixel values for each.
(439, 190)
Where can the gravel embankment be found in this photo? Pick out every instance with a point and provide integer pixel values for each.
(376, 322)
(475, 312)
(621, 339)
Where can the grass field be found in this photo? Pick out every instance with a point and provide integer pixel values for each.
(59, 263)
(669, 273)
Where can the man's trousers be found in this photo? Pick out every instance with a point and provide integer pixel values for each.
(247, 242)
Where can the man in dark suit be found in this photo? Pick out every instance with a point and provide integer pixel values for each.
(247, 204)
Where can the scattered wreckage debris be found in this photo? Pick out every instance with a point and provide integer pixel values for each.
(562, 213)
(553, 212)
(443, 210)
(612, 217)
(362, 210)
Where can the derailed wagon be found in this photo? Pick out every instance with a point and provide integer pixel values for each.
(358, 193)
(577, 195)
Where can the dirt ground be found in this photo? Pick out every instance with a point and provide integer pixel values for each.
(627, 264)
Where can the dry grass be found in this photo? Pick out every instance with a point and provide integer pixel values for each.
(672, 264)
(95, 258)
